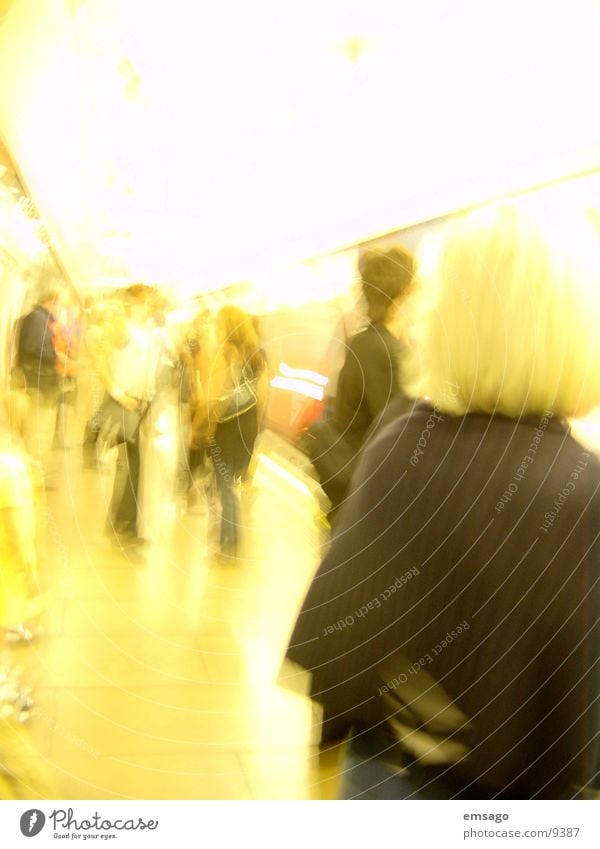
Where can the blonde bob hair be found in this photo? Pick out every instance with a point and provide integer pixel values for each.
(507, 314)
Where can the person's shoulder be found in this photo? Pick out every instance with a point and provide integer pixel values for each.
(227, 352)
(32, 315)
(402, 417)
(571, 453)
(223, 359)
(370, 340)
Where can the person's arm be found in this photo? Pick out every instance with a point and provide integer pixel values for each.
(340, 633)
(115, 336)
(199, 371)
(262, 393)
(217, 381)
(65, 363)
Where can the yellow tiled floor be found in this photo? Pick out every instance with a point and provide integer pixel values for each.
(156, 676)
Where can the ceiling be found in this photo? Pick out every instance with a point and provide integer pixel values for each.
(198, 144)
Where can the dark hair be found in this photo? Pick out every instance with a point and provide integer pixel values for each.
(386, 275)
(139, 292)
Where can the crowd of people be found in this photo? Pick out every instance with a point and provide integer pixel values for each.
(104, 377)
(452, 628)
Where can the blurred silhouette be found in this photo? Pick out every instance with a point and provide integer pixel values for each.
(370, 376)
(196, 357)
(67, 332)
(37, 359)
(21, 601)
(92, 360)
(127, 365)
(236, 395)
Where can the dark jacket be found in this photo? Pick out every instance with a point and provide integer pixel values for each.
(368, 381)
(37, 356)
(461, 595)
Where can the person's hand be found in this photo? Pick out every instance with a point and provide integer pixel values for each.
(122, 398)
(129, 402)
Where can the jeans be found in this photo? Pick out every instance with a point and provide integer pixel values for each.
(230, 508)
(123, 508)
(367, 776)
(230, 450)
(40, 428)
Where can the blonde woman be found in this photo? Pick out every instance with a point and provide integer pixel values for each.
(236, 399)
(453, 628)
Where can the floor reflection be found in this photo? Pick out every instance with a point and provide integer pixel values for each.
(156, 674)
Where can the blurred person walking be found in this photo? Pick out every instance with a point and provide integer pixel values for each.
(67, 337)
(21, 487)
(104, 330)
(23, 775)
(90, 386)
(128, 370)
(453, 629)
(159, 434)
(37, 358)
(195, 359)
(236, 398)
(371, 375)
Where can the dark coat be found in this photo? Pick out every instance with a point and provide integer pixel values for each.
(37, 356)
(368, 381)
(466, 563)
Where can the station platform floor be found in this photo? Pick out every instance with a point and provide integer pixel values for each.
(159, 672)
(156, 675)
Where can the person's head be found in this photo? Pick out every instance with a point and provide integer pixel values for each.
(235, 327)
(386, 277)
(201, 323)
(48, 298)
(139, 301)
(140, 292)
(508, 314)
